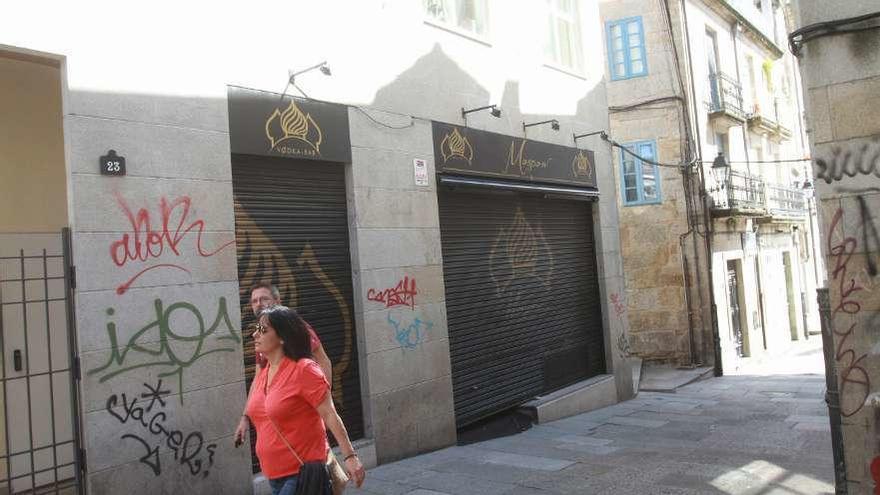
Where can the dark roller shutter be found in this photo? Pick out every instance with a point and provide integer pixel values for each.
(522, 298)
(291, 228)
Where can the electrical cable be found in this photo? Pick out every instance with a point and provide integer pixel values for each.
(799, 37)
(411, 120)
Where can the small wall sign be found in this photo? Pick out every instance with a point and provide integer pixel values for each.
(420, 169)
(112, 164)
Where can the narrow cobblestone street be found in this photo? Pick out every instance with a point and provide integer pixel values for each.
(763, 430)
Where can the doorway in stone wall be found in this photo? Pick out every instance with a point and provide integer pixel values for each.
(40, 448)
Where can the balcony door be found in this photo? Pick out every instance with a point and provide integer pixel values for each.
(712, 65)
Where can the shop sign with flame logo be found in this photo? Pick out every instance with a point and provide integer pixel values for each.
(268, 124)
(455, 146)
(466, 151)
(582, 165)
(293, 132)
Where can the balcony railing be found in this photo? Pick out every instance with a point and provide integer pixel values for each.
(785, 201)
(767, 120)
(725, 97)
(749, 195)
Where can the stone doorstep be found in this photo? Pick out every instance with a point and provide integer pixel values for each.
(668, 379)
(584, 396)
(365, 447)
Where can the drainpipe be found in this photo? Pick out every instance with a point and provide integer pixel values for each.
(707, 221)
(832, 395)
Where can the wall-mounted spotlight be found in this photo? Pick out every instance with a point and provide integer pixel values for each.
(291, 76)
(495, 111)
(554, 124)
(601, 134)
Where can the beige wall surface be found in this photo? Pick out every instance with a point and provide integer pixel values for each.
(841, 81)
(32, 175)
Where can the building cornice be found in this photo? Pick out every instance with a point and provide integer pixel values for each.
(730, 13)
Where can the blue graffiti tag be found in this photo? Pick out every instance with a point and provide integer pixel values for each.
(410, 336)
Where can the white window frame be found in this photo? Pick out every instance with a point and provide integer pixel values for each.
(451, 24)
(555, 44)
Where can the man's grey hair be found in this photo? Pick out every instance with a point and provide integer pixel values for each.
(267, 285)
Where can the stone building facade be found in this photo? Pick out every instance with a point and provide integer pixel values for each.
(709, 250)
(841, 75)
(131, 140)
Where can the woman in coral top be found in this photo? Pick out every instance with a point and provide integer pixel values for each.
(291, 397)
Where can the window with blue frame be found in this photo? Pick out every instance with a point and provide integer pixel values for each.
(626, 48)
(640, 180)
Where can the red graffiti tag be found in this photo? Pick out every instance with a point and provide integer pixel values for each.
(875, 474)
(853, 374)
(146, 241)
(403, 294)
(619, 307)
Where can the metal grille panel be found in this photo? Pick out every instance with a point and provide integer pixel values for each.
(291, 228)
(522, 298)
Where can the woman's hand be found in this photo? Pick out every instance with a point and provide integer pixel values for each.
(355, 470)
(241, 431)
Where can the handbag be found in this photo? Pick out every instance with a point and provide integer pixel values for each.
(337, 476)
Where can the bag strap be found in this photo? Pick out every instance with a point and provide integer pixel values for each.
(283, 438)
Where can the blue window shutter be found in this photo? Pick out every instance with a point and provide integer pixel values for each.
(640, 180)
(626, 48)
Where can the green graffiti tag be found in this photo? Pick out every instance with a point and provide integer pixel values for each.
(162, 346)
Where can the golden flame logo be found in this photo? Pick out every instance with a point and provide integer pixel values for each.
(581, 166)
(293, 124)
(455, 145)
(516, 253)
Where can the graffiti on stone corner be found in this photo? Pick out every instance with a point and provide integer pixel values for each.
(410, 335)
(856, 160)
(402, 294)
(145, 413)
(159, 344)
(148, 240)
(855, 383)
(618, 305)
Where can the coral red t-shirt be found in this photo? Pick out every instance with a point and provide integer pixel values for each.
(313, 338)
(291, 401)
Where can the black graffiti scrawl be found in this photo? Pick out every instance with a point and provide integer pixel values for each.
(147, 418)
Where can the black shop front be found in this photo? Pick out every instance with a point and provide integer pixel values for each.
(519, 264)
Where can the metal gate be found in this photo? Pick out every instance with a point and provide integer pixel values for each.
(522, 298)
(291, 228)
(40, 425)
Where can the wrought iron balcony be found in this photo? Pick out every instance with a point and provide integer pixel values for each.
(739, 194)
(742, 194)
(786, 202)
(725, 103)
(767, 121)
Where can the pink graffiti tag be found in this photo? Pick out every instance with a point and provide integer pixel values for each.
(619, 307)
(403, 294)
(852, 374)
(146, 242)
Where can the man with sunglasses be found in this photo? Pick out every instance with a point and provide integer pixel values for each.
(263, 296)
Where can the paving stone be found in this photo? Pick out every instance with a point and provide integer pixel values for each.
(735, 435)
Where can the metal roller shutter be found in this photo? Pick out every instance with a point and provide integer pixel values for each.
(522, 298)
(291, 228)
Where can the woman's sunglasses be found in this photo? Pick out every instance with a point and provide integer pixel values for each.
(261, 329)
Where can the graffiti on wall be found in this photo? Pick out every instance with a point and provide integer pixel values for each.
(850, 162)
(410, 335)
(618, 307)
(402, 294)
(160, 344)
(151, 236)
(855, 383)
(146, 415)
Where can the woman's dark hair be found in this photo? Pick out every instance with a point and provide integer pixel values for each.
(291, 329)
